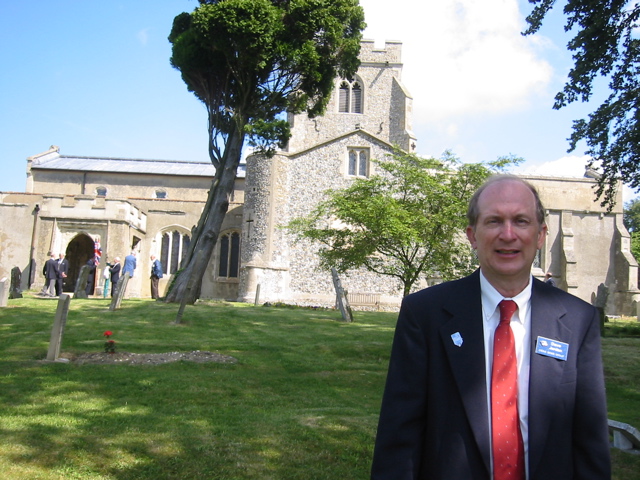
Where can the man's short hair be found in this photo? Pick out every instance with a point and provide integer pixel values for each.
(473, 210)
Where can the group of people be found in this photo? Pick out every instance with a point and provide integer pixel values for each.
(113, 271)
(55, 270)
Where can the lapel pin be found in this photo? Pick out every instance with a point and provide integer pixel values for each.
(457, 339)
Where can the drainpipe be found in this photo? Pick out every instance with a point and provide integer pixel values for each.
(32, 260)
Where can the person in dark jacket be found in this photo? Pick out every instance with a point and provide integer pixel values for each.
(63, 269)
(156, 275)
(496, 375)
(50, 272)
(91, 263)
(115, 275)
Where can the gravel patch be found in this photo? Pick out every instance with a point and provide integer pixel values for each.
(147, 358)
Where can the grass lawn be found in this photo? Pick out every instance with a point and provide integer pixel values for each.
(301, 402)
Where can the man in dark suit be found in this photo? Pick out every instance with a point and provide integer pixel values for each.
(115, 275)
(50, 272)
(439, 416)
(63, 269)
(91, 277)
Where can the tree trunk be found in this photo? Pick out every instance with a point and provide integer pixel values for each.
(186, 287)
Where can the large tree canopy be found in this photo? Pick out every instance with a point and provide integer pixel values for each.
(606, 45)
(249, 61)
(407, 222)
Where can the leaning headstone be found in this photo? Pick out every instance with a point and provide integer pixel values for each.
(4, 292)
(16, 281)
(257, 301)
(120, 289)
(600, 303)
(58, 327)
(81, 283)
(341, 298)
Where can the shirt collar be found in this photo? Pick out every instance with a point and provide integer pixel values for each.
(491, 298)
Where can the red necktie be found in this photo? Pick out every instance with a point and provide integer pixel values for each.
(507, 446)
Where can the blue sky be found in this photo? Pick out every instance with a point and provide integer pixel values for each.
(94, 78)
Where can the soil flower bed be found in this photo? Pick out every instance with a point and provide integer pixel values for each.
(148, 358)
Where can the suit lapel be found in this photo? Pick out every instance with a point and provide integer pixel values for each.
(545, 373)
(467, 359)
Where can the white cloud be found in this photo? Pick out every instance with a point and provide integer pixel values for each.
(143, 36)
(463, 56)
(567, 166)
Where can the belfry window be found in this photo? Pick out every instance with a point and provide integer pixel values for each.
(358, 162)
(229, 255)
(350, 97)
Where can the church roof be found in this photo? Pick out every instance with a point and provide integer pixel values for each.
(52, 160)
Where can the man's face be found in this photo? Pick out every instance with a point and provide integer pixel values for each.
(507, 235)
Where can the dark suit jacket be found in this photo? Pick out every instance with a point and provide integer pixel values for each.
(434, 418)
(63, 267)
(115, 273)
(50, 270)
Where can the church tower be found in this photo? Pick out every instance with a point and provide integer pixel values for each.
(366, 116)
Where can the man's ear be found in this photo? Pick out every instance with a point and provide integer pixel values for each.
(542, 234)
(471, 235)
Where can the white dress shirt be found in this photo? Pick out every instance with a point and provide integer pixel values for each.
(521, 327)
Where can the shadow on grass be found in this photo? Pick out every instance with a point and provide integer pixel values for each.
(301, 403)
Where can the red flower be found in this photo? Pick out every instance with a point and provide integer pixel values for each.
(108, 333)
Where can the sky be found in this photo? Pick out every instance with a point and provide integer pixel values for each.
(94, 78)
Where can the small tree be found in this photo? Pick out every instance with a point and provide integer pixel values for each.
(406, 222)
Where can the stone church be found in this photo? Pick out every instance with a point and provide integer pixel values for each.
(74, 205)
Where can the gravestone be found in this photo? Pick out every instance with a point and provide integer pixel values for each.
(257, 300)
(600, 302)
(4, 292)
(625, 437)
(341, 298)
(16, 281)
(58, 327)
(81, 283)
(121, 287)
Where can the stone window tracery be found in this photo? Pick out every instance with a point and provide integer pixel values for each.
(358, 162)
(350, 97)
(173, 248)
(229, 263)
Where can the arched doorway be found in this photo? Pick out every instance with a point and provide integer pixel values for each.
(79, 251)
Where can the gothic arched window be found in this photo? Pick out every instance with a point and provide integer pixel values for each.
(350, 97)
(229, 264)
(173, 249)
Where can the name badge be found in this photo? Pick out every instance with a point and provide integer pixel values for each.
(552, 348)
